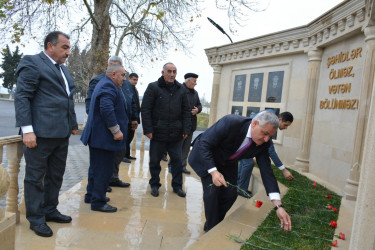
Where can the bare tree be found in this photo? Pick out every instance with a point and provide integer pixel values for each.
(139, 30)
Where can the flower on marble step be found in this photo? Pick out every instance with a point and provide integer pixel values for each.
(328, 196)
(314, 184)
(333, 224)
(340, 236)
(258, 203)
(334, 243)
(334, 210)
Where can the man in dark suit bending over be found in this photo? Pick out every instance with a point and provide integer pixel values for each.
(215, 158)
(45, 112)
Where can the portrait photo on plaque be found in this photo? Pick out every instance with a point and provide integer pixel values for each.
(255, 88)
(239, 88)
(275, 86)
(277, 112)
(237, 110)
(252, 111)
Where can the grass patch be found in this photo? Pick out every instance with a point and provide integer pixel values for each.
(202, 120)
(306, 205)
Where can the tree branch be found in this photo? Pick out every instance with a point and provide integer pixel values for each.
(91, 14)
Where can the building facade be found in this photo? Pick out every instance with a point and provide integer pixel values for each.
(323, 73)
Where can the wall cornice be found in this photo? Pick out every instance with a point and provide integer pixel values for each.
(346, 18)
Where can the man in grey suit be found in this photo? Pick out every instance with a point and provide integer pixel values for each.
(45, 112)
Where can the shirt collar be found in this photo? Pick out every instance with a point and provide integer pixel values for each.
(53, 61)
(248, 135)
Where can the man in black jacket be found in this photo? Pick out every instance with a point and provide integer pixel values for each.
(166, 122)
(195, 108)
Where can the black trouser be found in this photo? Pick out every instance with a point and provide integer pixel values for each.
(101, 164)
(46, 162)
(157, 149)
(129, 140)
(218, 200)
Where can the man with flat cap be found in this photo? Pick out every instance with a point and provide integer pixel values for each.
(195, 107)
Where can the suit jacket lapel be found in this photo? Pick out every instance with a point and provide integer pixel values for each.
(241, 137)
(54, 69)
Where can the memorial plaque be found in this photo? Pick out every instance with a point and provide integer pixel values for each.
(237, 110)
(239, 88)
(275, 86)
(255, 88)
(252, 111)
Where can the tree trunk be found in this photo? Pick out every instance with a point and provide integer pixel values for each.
(99, 52)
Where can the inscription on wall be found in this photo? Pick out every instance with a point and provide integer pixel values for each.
(346, 74)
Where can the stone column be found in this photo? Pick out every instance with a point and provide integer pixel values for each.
(14, 155)
(303, 158)
(351, 187)
(363, 234)
(215, 94)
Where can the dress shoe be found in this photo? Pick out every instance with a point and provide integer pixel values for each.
(42, 230)
(118, 183)
(246, 194)
(89, 200)
(185, 171)
(126, 160)
(179, 192)
(131, 157)
(58, 217)
(109, 189)
(155, 191)
(106, 208)
(164, 158)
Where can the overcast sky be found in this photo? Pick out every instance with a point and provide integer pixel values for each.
(280, 15)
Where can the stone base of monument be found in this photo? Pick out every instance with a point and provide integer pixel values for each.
(8, 231)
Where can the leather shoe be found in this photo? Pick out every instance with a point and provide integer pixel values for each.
(106, 208)
(126, 160)
(155, 191)
(246, 194)
(179, 192)
(119, 183)
(58, 217)
(42, 230)
(109, 189)
(131, 157)
(89, 201)
(185, 171)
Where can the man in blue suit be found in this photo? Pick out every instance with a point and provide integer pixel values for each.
(215, 157)
(131, 110)
(45, 112)
(105, 133)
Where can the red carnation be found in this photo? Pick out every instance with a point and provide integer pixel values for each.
(258, 203)
(340, 236)
(333, 224)
(314, 184)
(334, 243)
(329, 206)
(334, 209)
(328, 196)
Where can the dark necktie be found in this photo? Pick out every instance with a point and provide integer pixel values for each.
(57, 66)
(241, 150)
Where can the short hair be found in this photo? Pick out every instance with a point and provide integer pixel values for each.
(115, 59)
(286, 117)
(114, 67)
(133, 75)
(267, 117)
(53, 37)
(165, 65)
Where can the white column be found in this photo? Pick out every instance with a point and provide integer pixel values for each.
(303, 158)
(215, 94)
(363, 233)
